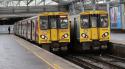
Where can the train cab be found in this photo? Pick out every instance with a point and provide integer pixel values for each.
(54, 29)
(92, 30)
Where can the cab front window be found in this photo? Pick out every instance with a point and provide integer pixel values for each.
(43, 22)
(63, 22)
(104, 20)
(85, 21)
(93, 21)
(53, 22)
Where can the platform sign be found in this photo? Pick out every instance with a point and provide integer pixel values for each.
(116, 17)
(119, 19)
(113, 15)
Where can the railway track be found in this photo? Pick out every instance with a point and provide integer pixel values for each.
(97, 62)
(113, 62)
(82, 63)
(116, 57)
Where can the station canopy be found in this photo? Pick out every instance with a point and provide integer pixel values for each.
(84, 1)
(7, 3)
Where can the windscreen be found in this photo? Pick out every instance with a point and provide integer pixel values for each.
(84, 21)
(104, 20)
(63, 22)
(93, 20)
(43, 22)
(53, 20)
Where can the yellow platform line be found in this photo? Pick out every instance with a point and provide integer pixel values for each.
(55, 66)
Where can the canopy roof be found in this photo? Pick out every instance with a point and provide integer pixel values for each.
(6, 3)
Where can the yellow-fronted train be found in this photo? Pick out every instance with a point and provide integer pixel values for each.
(90, 30)
(49, 29)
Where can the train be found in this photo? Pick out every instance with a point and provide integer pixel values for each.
(51, 30)
(54, 31)
(91, 30)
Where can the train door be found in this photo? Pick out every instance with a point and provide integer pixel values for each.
(24, 28)
(94, 27)
(21, 28)
(33, 30)
(18, 28)
(28, 29)
(53, 27)
(36, 29)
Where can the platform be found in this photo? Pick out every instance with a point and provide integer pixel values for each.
(118, 38)
(17, 53)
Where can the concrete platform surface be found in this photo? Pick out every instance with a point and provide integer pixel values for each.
(17, 53)
(51, 59)
(118, 38)
(13, 56)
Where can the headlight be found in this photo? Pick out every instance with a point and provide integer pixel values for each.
(84, 35)
(43, 37)
(65, 36)
(105, 34)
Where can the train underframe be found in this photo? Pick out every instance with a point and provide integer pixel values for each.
(92, 46)
(56, 46)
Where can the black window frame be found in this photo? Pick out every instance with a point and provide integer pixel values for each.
(60, 22)
(57, 21)
(97, 21)
(46, 25)
(107, 21)
(87, 17)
